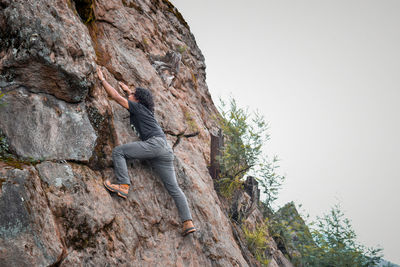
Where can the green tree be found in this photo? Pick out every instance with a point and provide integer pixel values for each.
(243, 140)
(335, 244)
(270, 181)
(245, 133)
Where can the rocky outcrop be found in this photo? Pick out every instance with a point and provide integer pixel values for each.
(60, 129)
(45, 48)
(246, 211)
(41, 127)
(299, 235)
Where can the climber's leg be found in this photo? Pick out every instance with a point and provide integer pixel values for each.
(165, 170)
(135, 150)
(164, 167)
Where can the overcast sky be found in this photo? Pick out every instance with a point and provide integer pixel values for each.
(326, 75)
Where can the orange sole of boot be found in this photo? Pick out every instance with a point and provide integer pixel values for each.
(188, 231)
(119, 193)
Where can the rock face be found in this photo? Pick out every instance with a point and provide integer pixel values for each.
(61, 128)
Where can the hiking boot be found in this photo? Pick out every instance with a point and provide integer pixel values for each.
(188, 227)
(121, 189)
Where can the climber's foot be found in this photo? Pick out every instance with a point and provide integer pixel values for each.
(188, 227)
(121, 189)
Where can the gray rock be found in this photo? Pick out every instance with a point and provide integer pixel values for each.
(39, 126)
(28, 233)
(14, 219)
(56, 174)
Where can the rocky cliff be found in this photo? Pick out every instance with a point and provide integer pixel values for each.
(58, 129)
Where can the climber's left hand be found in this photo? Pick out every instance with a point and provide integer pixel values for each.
(100, 74)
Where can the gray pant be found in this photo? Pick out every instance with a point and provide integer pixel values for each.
(161, 156)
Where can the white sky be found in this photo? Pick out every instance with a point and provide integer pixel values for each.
(326, 75)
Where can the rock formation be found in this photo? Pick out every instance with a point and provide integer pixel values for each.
(59, 128)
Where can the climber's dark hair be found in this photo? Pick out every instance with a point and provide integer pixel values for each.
(145, 97)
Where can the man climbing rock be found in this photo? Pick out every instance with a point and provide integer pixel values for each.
(153, 147)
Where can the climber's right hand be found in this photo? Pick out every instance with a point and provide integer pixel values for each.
(124, 87)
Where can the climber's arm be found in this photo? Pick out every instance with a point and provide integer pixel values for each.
(112, 92)
(125, 88)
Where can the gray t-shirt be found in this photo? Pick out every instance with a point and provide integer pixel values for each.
(143, 121)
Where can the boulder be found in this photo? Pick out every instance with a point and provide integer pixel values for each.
(28, 230)
(39, 126)
(45, 48)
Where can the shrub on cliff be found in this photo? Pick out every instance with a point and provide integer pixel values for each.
(245, 134)
(257, 242)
